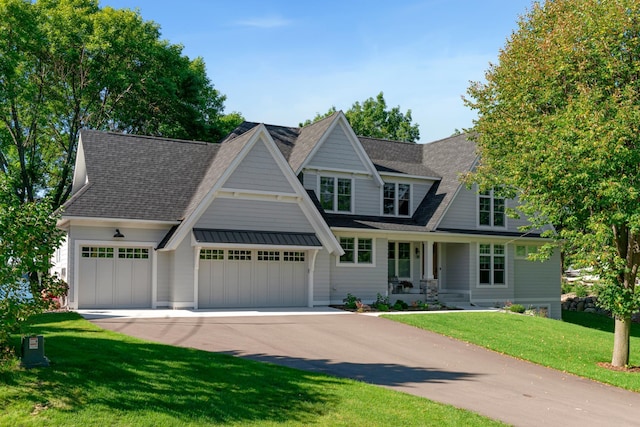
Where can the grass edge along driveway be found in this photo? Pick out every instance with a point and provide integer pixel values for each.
(99, 377)
(575, 345)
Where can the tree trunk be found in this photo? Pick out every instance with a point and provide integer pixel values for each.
(621, 342)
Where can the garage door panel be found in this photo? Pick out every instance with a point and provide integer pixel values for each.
(123, 284)
(231, 280)
(104, 282)
(205, 284)
(253, 279)
(114, 277)
(141, 283)
(87, 274)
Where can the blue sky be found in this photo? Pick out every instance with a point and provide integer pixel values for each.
(281, 62)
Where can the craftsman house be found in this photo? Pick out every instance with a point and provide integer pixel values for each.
(282, 217)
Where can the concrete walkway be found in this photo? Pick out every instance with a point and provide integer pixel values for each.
(389, 354)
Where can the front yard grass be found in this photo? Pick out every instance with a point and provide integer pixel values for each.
(99, 377)
(575, 345)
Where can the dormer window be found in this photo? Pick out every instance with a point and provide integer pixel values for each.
(335, 194)
(396, 199)
(490, 210)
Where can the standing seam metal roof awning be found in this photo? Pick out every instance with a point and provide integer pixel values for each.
(278, 238)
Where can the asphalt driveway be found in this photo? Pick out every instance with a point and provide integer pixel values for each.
(400, 357)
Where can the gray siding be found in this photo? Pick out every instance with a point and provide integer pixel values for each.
(367, 196)
(322, 279)
(182, 279)
(310, 180)
(337, 152)
(457, 266)
(60, 260)
(463, 213)
(362, 282)
(164, 273)
(259, 171)
(259, 215)
(538, 283)
(419, 189)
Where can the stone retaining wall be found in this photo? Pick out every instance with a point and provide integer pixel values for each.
(587, 304)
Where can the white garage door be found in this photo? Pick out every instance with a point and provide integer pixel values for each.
(252, 278)
(114, 277)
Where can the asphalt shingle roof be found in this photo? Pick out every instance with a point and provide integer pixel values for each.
(150, 178)
(138, 177)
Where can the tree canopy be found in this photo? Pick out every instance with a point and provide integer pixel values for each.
(66, 65)
(558, 123)
(373, 119)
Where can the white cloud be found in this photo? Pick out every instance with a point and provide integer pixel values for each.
(265, 22)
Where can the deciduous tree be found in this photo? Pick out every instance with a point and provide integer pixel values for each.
(28, 237)
(559, 123)
(66, 65)
(373, 119)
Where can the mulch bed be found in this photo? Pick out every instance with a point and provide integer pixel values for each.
(609, 366)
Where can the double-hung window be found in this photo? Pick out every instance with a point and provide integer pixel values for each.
(399, 259)
(491, 210)
(396, 199)
(335, 194)
(492, 265)
(357, 250)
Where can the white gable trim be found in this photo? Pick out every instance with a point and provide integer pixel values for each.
(342, 121)
(304, 201)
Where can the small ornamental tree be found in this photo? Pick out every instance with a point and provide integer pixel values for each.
(28, 237)
(559, 122)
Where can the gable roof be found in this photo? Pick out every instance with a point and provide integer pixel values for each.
(121, 185)
(185, 174)
(449, 157)
(442, 160)
(231, 153)
(397, 157)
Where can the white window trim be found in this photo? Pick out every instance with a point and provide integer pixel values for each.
(396, 259)
(335, 192)
(506, 267)
(355, 262)
(395, 201)
(482, 226)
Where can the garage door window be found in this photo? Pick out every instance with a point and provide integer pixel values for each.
(240, 255)
(217, 254)
(268, 256)
(133, 253)
(94, 252)
(293, 256)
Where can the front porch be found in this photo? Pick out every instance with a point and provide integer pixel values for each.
(429, 271)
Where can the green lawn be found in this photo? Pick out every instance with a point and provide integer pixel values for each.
(99, 377)
(574, 345)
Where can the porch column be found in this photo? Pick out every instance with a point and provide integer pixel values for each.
(427, 248)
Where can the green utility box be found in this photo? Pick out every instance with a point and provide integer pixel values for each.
(33, 352)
